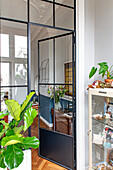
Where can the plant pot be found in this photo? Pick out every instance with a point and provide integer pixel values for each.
(26, 164)
(108, 81)
(57, 106)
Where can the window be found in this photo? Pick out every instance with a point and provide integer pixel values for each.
(20, 46)
(4, 45)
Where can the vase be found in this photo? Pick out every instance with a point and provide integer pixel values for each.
(57, 106)
(108, 81)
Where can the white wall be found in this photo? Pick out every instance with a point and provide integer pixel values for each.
(98, 45)
(89, 61)
(103, 32)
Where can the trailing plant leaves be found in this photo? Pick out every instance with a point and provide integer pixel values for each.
(3, 113)
(103, 69)
(17, 130)
(1, 127)
(92, 72)
(3, 131)
(102, 64)
(11, 140)
(13, 157)
(2, 164)
(25, 103)
(29, 115)
(30, 142)
(10, 132)
(14, 108)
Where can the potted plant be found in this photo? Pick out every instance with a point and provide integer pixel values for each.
(12, 141)
(104, 70)
(59, 92)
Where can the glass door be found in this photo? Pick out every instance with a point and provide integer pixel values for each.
(56, 88)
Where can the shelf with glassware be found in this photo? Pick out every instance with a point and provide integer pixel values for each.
(101, 129)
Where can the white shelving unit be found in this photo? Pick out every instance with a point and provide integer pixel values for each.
(101, 128)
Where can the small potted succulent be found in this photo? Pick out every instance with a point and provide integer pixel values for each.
(13, 143)
(104, 70)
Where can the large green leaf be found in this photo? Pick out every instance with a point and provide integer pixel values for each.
(92, 72)
(10, 132)
(102, 64)
(14, 108)
(3, 113)
(2, 164)
(11, 140)
(30, 142)
(29, 115)
(4, 123)
(13, 157)
(17, 130)
(25, 103)
(1, 127)
(4, 130)
(103, 69)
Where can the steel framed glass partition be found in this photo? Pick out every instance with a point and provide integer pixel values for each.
(15, 25)
(61, 127)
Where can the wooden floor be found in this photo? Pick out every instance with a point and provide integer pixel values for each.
(37, 162)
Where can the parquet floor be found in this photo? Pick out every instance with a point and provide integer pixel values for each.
(37, 162)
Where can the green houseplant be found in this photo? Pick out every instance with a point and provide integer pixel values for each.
(12, 141)
(104, 70)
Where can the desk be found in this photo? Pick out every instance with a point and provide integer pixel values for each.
(63, 122)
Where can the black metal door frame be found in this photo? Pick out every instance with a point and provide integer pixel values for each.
(43, 131)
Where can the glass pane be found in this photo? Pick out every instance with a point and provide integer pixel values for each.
(17, 93)
(46, 105)
(64, 17)
(63, 59)
(63, 110)
(15, 62)
(46, 54)
(46, 61)
(14, 9)
(102, 132)
(4, 45)
(66, 2)
(20, 74)
(41, 12)
(20, 46)
(5, 74)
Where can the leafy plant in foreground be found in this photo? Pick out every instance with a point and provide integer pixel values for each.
(11, 139)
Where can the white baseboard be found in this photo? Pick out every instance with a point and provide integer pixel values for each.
(46, 122)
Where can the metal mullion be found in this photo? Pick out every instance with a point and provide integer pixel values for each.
(13, 20)
(11, 86)
(73, 90)
(29, 64)
(57, 36)
(39, 93)
(54, 84)
(75, 134)
(53, 13)
(57, 3)
(28, 10)
(49, 26)
(54, 77)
